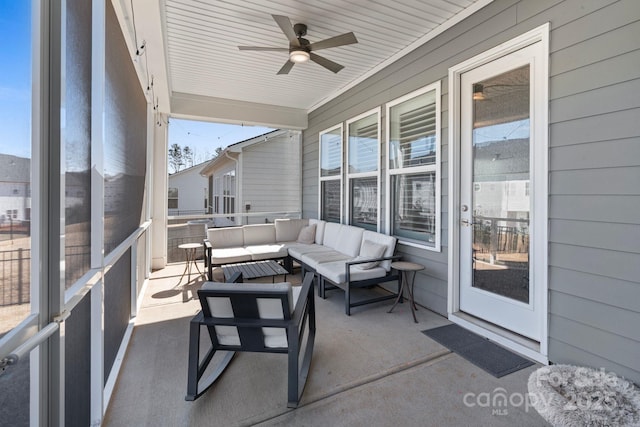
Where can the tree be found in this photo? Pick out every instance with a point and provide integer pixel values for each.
(218, 151)
(175, 158)
(188, 155)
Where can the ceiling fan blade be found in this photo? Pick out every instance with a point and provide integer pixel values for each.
(285, 25)
(326, 63)
(341, 40)
(286, 68)
(266, 49)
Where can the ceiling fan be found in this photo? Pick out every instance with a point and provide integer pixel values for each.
(300, 49)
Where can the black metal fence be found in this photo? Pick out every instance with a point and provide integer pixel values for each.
(15, 277)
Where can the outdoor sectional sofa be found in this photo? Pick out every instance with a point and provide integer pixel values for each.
(340, 256)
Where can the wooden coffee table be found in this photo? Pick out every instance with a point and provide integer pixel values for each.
(255, 269)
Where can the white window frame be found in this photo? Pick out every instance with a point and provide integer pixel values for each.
(435, 167)
(376, 173)
(337, 177)
(176, 198)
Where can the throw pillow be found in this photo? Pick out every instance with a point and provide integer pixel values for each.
(370, 250)
(307, 234)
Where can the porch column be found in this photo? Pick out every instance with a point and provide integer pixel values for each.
(159, 194)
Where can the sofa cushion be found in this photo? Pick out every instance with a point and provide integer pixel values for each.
(320, 224)
(370, 250)
(307, 234)
(228, 237)
(259, 234)
(350, 240)
(336, 272)
(268, 308)
(313, 259)
(229, 255)
(331, 235)
(287, 230)
(297, 250)
(388, 241)
(261, 252)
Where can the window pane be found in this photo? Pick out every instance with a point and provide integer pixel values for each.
(15, 199)
(77, 141)
(364, 203)
(501, 176)
(412, 126)
(363, 145)
(125, 145)
(331, 200)
(331, 153)
(15, 166)
(413, 207)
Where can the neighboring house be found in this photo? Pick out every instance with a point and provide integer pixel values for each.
(15, 191)
(261, 174)
(188, 192)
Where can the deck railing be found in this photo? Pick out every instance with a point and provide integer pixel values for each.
(15, 277)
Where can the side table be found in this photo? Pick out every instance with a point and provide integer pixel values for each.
(191, 250)
(404, 269)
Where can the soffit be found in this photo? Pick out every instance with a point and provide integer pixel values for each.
(201, 60)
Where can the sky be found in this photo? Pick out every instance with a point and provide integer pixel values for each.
(15, 78)
(15, 96)
(204, 137)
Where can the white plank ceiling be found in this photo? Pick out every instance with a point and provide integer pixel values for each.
(200, 40)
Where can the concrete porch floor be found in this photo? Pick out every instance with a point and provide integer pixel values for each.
(370, 369)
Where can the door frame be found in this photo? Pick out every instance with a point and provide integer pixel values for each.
(540, 179)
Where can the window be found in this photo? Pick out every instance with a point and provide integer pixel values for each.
(363, 158)
(413, 135)
(173, 198)
(229, 192)
(331, 174)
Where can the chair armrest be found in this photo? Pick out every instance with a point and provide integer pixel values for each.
(207, 244)
(302, 299)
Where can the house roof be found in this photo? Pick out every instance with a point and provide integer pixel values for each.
(192, 51)
(237, 147)
(14, 169)
(189, 169)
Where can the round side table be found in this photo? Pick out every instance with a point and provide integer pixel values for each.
(405, 269)
(191, 250)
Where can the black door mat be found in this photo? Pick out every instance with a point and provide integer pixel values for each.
(483, 353)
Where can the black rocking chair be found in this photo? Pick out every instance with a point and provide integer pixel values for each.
(235, 315)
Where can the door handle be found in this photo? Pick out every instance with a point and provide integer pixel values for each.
(466, 222)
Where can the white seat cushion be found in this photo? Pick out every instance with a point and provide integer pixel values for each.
(388, 241)
(287, 230)
(230, 237)
(298, 250)
(229, 255)
(260, 252)
(259, 234)
(349, 240)
(370, 250)
(313, 259)
(268, 308)
(335, 272)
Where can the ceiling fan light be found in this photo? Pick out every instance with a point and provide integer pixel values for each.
(299, 56)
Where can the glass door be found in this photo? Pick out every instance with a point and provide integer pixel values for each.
(497, 139)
